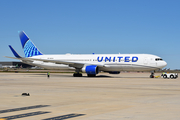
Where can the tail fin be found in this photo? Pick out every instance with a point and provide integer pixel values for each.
(14, 52)
(29, 48)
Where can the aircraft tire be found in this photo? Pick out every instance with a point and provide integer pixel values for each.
(151, 76)
(91, 75)
(77, 75)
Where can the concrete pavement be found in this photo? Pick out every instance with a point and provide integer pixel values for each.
(105, 97)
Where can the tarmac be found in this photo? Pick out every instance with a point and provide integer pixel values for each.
(126, 96)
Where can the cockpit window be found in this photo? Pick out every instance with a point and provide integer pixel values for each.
(159, 59)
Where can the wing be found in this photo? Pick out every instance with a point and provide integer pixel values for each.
(71, 64)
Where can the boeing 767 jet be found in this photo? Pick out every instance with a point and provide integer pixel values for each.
(91, 64)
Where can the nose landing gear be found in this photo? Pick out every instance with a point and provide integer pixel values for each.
(152, 75)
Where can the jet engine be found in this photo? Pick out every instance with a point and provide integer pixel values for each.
(91, 70)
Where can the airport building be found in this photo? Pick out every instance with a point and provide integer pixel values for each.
(14, 64)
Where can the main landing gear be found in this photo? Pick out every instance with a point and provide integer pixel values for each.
(152, 74)
(77, 75)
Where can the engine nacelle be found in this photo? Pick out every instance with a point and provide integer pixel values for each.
(114, 72)
(90, 69)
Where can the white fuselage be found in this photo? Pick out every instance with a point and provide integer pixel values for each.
(105, 62)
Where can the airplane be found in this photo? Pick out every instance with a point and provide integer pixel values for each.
(91, 64)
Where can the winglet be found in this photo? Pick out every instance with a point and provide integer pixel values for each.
(14, 52)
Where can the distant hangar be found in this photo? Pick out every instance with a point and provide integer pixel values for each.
(14, 65)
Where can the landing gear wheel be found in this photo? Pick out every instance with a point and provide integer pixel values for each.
(151, 76)
(91, 75)
(77, 75)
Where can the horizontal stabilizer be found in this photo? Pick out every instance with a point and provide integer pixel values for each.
(12, 57)
(22, 58)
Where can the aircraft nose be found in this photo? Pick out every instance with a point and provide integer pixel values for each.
(164, 63)
(161, 64)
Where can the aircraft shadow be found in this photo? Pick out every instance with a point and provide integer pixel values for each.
(98, 76)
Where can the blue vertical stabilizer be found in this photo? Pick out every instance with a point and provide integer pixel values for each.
(29, 48)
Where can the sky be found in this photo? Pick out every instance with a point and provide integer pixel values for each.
(93, 26)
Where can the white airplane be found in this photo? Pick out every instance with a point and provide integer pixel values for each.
(89, 63)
